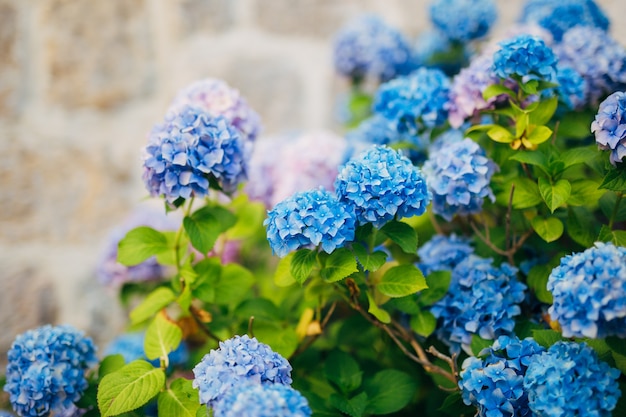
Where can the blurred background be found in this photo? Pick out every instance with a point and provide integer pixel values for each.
(81, 84)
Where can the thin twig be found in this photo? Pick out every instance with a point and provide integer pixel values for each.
(435, 223)
(196, 316)
(313, 338)
(250, 325)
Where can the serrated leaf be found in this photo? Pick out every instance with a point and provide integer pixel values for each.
(341, 369)
(402, 234)
(140, 244)
(423, 323)
(620, 362)
(129, 388)
(152, 304)
(381, 314)
(283, 341)
(549, 229)
(438, 283)
(339, 265)
(389, 391)
(206, 224)
(109, 364)
(584, 192)
(617, 237)
(544, 111)
(209, 273)
(581, 226)
(162, 337)
(354, 407)
(607, 205)
(302, 263)
(614, 180)
(526, 193)
(181, 400)
(500, 134)
(495, 90)
(233, 284)
(555, 195)
(536, 158)
(546, 338)
(282, 275)
(402, 280)
(578, 155)
(369, 261)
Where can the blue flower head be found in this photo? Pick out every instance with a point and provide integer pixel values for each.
(589, 291)
(239, 360)
(415, 102)
(190, 149)
(433, 49)
(495, 384)
(368, 47)
(458, 177)
(609, 126)
(443, 253)
(276, 400)
(558, 16)
(570, 380)
(597, 57)
(463, 20)
(382, 184)
(309, 219)
(46, 369)
(482, 299)
(572, 87)
(525, 56)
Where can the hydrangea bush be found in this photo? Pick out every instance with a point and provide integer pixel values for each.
(460, 249)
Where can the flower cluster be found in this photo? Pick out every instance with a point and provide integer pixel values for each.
(482, 299)
(46, 369)
(458, 177)
(262, 401)
(463, 20)
(415, 102)
(572, 88)
(443, 253)
(495, 385)
(569, 380)
(589, 291)
(239, 360)
(367, 46)
(308, 219)
(188, 150)
(382, 184)
(597, 57)
(525, 56)
(131, 347)
(560, 16)
(609, 126)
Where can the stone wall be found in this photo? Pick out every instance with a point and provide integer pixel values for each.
(81, 82)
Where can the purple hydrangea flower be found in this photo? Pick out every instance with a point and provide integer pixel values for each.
(572, 88)
(609, 126)
(414, 102)
(309, 219)
(525, 56)
(188, 150)
(463, 20)
(262, 401)
(368, 47)
(239, 360)
(382, 184)
(482, 299)
(131, 347)
(443, 253)
(558, 16)
(46, 369)
(495, 384)
(597, 57)
(569, 380)
(589, 291)
(458, 177)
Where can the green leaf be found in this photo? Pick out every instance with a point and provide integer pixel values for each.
(109, 364)
(539, 135)
(537, 280)
(206, 224)
(233, 284)
(617, 237)
(500, 134)
(284, 341)
(423, 323)
(402, 234)
(162, 337)
(616, 344)
(282, 275)
(129, 388)
(259, 308)
(555, 195)
(521, 124)
(584, 192)
(607, 205)
(496, 90)
(152, 304)
(478, 344)
(181, 400)
(250, 215)
(547, 338)
(578, 155)
(620, 362)
(544, 111)
(209, 272)
(302, 263)
(369, 261)
(575, 125)
(549, 229)
(536, 158)
(354, 407)
(339, 265)
(529, 87)
(341, 369)
(581, 226)
(614, 180)
(438, 283)
(402, 280)
(140, 244)
(381, 314)
(526, 193)
(389, 391)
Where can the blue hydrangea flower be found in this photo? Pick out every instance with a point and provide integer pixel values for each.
(190, 148)
(443, 253)
(572, 87)
(609, 126)
(463, 20)
(558, 16)
(597, 57)
(525, 56)
(570, 380)
(414, 102)
(382, 184)
(495, 384)
(458, 177)
(589, 291)
(46, 369)
(482, 299)
(238, 360)
(262, 401)
(433, 49)
(368, 47)
(130, 346)
(309, 219)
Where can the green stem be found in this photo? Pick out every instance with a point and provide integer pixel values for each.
(615, 209)
(177, 239)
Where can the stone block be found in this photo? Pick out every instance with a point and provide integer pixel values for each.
(11, 51)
